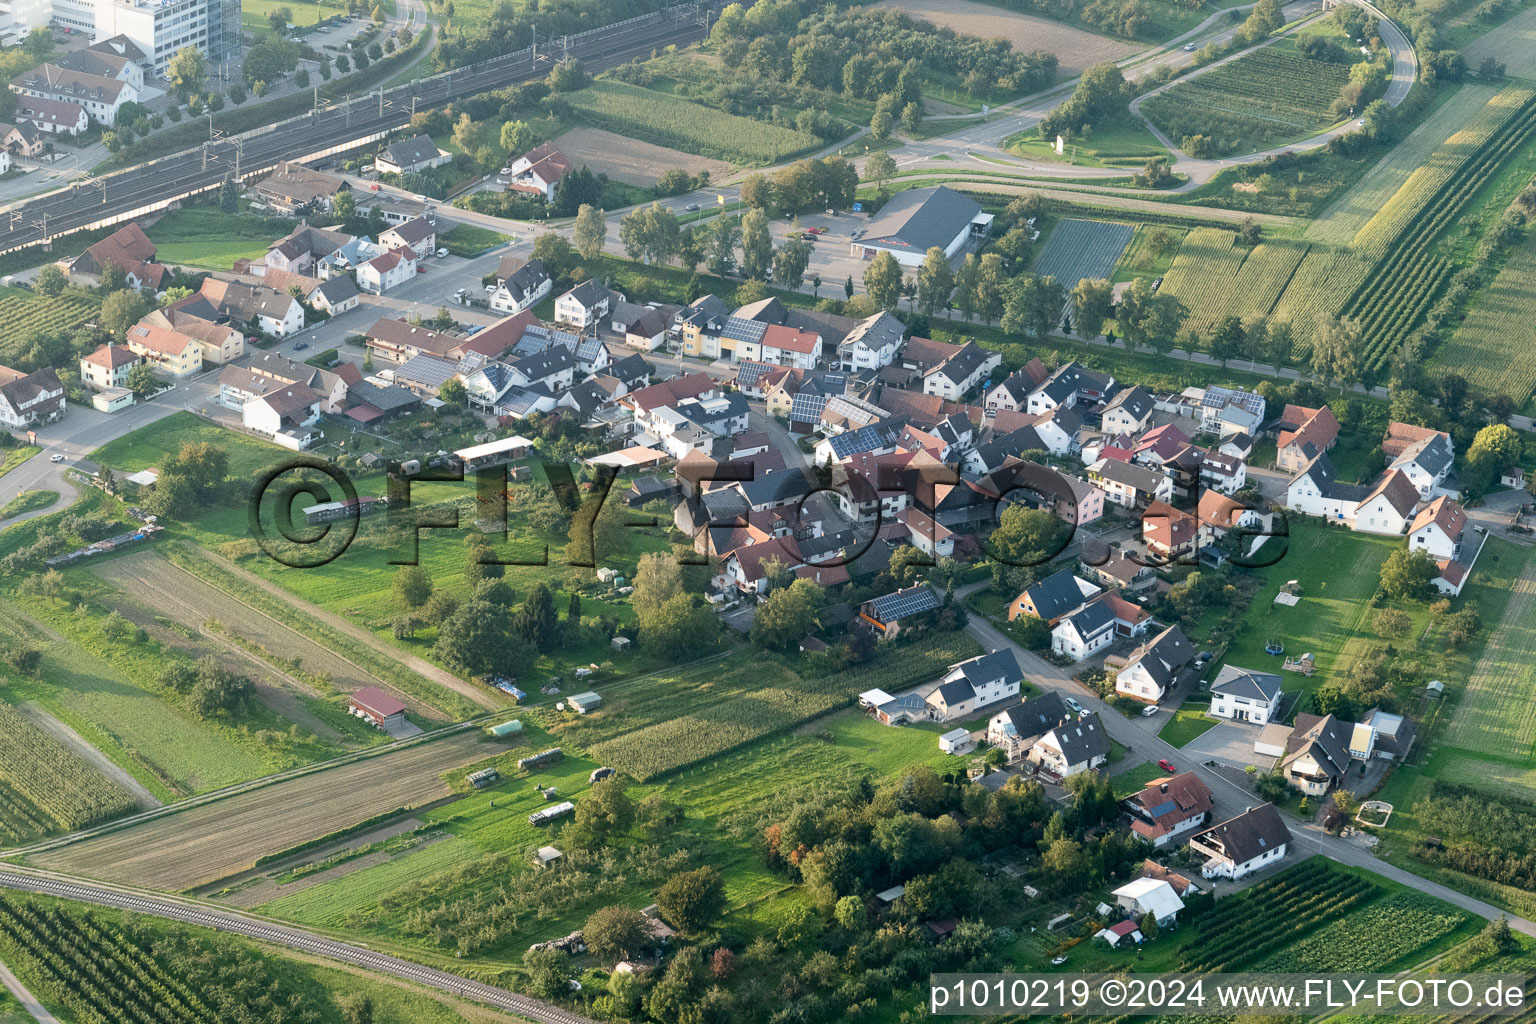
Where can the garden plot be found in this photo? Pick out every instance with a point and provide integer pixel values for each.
(1074, 48)
(202, 844)
(151, 580)
(630, 160)
(1082, 249)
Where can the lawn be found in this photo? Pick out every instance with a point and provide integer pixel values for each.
(205, 237)
(470, 240)
(1134, 780)
(28, 501)
(149, 445)
(1124, 142)
(1186, 724)
(14, 457)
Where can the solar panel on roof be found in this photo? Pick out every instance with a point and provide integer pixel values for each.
(744, 330)
(806, 408)
(901, 604)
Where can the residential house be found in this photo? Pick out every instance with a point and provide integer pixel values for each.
(1168, 533)
(108, 367)
(387, 270)
(301, 251)
(1239, 846)
(1114, 567)
(1013, 394)
(331, 385)
(1129, 411)
(194, 317)
(1440, 529)
(1149, 896)
(520, 284)
(974, 684)
(1070, 384)
(1071, 748)
(1223, 473)
(170, 351)
(785, 346)
(1302, 434)
(872, 344)
(1388, 507)
(1318, 752)
(1165, 809)
(1121, 931)
(30, 399)
(285, 416)
(417, 234)
(51, 117)
(1427, 465)
(130, 250)
(1402, 436)
(1244, 695)
(961, 373)
(1096, 625)
(648, 331)
(1053, 597)
(418, 153)
(698, 326)
(295, 190)
(746, 568)
(1317, 491)
(1219, 514)
(272, 312)
(1158, 445)
(1130, 485)
(111, 58)
(1015, 729)
(22, 139)
(336, 295)
(101, 96)
(1153, 668)
(886, 612)
(539, 171)
(1226, 410)
(584, 305)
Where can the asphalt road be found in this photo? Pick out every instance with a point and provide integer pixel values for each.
(235, 923)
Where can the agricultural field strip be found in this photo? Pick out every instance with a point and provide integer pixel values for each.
(1079, 249)
(199, 845)
(1215, 276)
(1512, 44)
(1496, 714)
(1485, 349)
(51, 777)
(160, 584)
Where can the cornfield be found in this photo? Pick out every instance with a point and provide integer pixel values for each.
(1492, 347)
(52, 778)
(1216, 277)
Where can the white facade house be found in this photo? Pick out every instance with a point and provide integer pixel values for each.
(1129, 411)
(1149, 896)
(1073, 747)
(1244, 695)
(1427, 465)
(417, 234)
(1154, 666)
(284, 416)
(872, 344)
(786, 346)
(1238, 847)
(584, 306)
(975, 684)
(961, 372)
(522, 288)
(919, 219)
(388, 271)
(29, 399)
(1389, 506)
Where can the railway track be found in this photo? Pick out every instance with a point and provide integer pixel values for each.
(293, 938)
(123, 194)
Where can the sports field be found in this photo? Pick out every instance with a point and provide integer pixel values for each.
(1079, 249)
(202, 844)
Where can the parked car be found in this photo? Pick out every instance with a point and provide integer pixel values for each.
(1150, 710)
(503, 181)
(373, 186)
(1077, 709)
(441, 253)
(490, 288)
(817, 231)
(1057, 961)
(692, 208)
(1167, 766)
(300, 346)
(505, 170)
(421, 268)
(56, 458)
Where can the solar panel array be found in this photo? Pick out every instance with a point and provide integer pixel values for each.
(749, 373)
(899, 605)
(806, 407)
(744, 330)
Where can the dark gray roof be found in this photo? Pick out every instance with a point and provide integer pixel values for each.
(589, 293)
(1136, 401)
(772, 488)
(1243, 682)
(338, 289)
(1092, 619)
(385, 399)
(984, 668)
(541, 365)
(707, 311)
(1325, 478)
(1130, 474)
(630, 369)
(414, 150)
(1082, 740)
(920, 218)
(1433, 454)
(911, 601)
(527, 279)
(414, 230)
(956, 691)
(1251, 834)
(876, 332)
(1039, 715)
(1163, 655)
(1056, 595)
(960, 366)
(1325, 738)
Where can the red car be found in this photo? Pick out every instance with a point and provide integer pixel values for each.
(817, 231)
(373, 187)
(1166, 766)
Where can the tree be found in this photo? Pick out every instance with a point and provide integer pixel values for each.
(537, 620)
(1271, 786)
(1250, 232)
(515, 136)
(1390, 622)
(325, 67)
(479, 638)
(342, 64)
(786, 616)
(300, 79)
(650, 231)
(880, 125)
(141, 381)
(1407, 573)
(554, 252)
(39, 41)
(1093, 302)
(1278, 343)
(756, 245)
(356, 1009)
(605, 811)
(616, 933)
(280, 19)
(880, 168)
(1227, 339)
(1027, 536)
(344, 205)
(991, 287)
(452, 390)
(1032, 304)
(691, 900)
(720, 245)
(548, 972)
(882, 280)
(50, 280)
(1266, 17)
(121, 310)
(187, 71)
(911, 117)
(1336, 352)
(757, 192)
(1149, 926)
(658, 579)
(935, 281)
(1066, 861)
(590, 230)
(1496, 445)
(790, 261)
(683, 627)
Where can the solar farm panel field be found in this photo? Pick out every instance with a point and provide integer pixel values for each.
(1082, 249)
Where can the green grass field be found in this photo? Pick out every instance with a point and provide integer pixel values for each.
(1488, 348)
(1133, 780)
(1187, 724)
(149, 445)
(14, 457)
(1125, 142)
(28, 501)
(205, 237)
(469, 240)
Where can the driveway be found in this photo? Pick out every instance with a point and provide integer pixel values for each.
(1230, 743)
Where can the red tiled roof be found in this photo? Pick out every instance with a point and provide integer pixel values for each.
(1444, 513)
